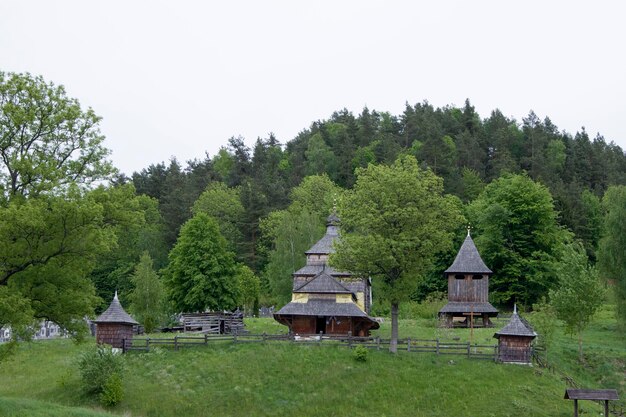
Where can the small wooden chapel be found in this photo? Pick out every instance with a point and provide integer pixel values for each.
(515, 340)
(468, 289)
(325, 300)
(115, 325)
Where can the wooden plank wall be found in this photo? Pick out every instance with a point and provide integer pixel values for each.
(468, 289)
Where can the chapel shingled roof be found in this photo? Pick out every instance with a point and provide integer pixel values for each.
(324, 246)
(322, 307)
(323, 283)
(517, 326)
(115, 314)
(468, 260)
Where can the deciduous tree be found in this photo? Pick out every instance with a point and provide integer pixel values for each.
(47, 142)
(518, 237)
(394, 221)
(249, 287)
(147, 296)
(579, 294)
(202, 271)
(223, 204)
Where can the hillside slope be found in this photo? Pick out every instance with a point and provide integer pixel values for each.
(289, 380)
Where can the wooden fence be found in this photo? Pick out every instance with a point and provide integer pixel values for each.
(472, 351)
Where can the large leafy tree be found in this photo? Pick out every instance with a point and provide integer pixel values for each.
(48, 247)
(612, 252)
(52, 226)
(394, 221)
(579, 294)
(202, 271)
(518, 237)
(47, 141)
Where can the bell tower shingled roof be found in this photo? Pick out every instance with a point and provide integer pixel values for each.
(468, 260)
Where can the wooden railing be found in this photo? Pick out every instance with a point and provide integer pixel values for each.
(439, 347)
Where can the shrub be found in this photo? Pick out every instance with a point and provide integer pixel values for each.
(113, 391)
(360, 353)
(98, 366)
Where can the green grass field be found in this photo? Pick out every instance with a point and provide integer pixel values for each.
(287, 379)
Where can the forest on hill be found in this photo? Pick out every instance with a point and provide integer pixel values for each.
(528, 190)
(457, 144)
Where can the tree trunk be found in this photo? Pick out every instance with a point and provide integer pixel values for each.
(393, 344)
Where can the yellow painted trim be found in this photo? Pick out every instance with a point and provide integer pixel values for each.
(360, 300)
(299, 297)
(344, 298)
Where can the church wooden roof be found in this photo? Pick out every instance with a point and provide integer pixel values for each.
(324, 246)
(322, 307)
(312, 270)
(468, 260)
(323, 283)
(516, 327)
(115, 314)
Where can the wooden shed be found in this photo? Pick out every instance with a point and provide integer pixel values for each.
(325, 300)
(468, 289)
(515, 341)
(114, 325)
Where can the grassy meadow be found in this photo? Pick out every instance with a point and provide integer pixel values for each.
(287, 379)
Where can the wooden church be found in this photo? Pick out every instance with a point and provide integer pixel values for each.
(325, 300)
(468, 289)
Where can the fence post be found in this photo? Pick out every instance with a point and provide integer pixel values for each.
(468, 349)
(321, 336)
(378, 342)
(235, 337)
(437, 346)
(176, 342)
(124, 345)
(206, 339)
(349, 339)
(264, 336)
(408, 344)
(147, 344)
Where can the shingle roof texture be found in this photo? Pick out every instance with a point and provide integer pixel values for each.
(322, 308)
(323, 283)
(324, 246)
(468, 260)
(516, 327)
(115, 314)
(591, 394)
(316, 269)
(462, 307)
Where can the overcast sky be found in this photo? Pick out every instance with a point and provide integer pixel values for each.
(178, 78)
